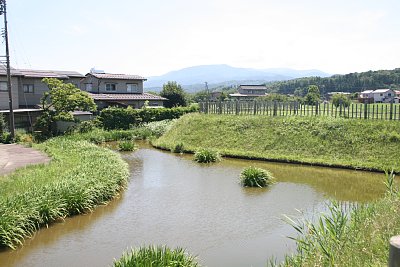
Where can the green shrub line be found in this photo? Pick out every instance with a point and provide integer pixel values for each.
(79, 177)
(126, 118)
(371, 145)
(157, 256)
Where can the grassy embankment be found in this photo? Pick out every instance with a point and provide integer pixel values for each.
(79, 177)
(359, 144)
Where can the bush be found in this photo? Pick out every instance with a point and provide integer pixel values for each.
(255, 177)
(207, 156)
(159, 256)
(3, 125)
(126, 118)
(126, 145)
(5, 137)
(340, 99)
(179, 148)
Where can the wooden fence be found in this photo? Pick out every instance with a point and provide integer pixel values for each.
(380, 111)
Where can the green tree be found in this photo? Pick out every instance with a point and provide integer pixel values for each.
(340, 99)
(175, 95)
(58, 104)
(313, 96)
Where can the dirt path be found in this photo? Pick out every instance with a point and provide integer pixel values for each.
(16, 156)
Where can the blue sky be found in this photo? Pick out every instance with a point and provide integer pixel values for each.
(152, 37)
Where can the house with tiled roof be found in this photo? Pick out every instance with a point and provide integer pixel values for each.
(109, 89)
(250, 91)
(27, 86)
(105, 88)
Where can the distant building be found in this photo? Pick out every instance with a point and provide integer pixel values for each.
(250, 91)
(377, 96)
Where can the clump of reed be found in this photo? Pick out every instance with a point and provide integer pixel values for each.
(255, 177)
(347, 234)
(156, 256)
(126, 145)
(179, 148)
(207, 156)
(80, 176)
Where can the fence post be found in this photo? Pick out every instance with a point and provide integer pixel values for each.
(237, 107)
(220, 107)
(391, 110)
(275, 108)
(394, 252)
(365, 110)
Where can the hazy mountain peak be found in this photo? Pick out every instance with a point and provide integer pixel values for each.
(219, 73)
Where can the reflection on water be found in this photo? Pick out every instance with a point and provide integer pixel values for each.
(175, 201)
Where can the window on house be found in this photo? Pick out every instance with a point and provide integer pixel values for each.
(389, 94)
(132, 88)
(28, 88)
(381, 94)
(110, 87)
(3, 87)
(88, 87)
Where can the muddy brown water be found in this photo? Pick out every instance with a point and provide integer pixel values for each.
(174, 201)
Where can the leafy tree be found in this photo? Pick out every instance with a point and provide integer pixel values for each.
(313, 96)
(175, 95)
(58, 104)
(340, 99)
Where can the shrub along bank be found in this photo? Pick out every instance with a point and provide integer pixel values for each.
(126, 118)
(80, 176)
(365, 144)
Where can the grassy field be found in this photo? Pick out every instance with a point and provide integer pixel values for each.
(359, 144)
(80, 176)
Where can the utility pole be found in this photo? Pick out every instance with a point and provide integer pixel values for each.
(3, 11)
(207, 91)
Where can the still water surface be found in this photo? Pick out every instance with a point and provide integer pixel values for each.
(175, 201)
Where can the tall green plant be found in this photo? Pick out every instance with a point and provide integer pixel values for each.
(207, 156)
(157, 256)
(255, 177)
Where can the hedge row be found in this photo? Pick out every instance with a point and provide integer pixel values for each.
(125, 118)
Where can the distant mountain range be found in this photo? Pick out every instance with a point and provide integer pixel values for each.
(193, 78)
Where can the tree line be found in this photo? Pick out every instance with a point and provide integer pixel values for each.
(352, 83)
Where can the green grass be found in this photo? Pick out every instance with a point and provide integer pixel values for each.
(159, 256)
(206, 156)
(79, 177)
(255, 177)
(359, 144)
(356, 236)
